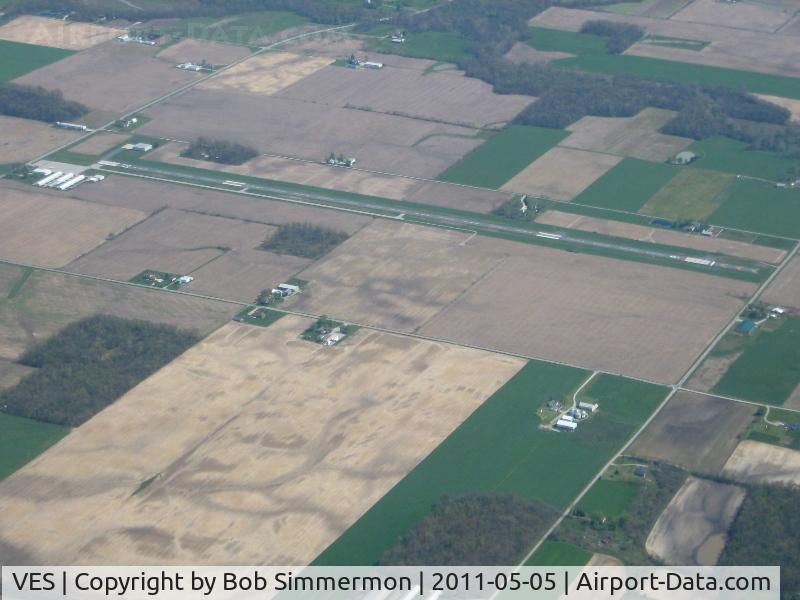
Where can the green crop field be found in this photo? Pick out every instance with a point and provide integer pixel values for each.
(501, 448)
(497, 160)
(443, 46)
(22, 440)
(17, 58)
(691, 194)
(559, 554)
(731, 156)
(608, 498)
(628, 185)
(760, 206)
(593, 58)
(768, 370)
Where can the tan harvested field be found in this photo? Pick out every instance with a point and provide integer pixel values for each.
(173, 241)
(350, 180)
(694, 431)
(445, 96)
(793, 401)
(738, 15)
(265, 74)
(522, 53)
(711, 371)
(561, 173)
(617, 316)
(23, 139)
(194, 50)
(279, 446)
(393, 275)
(603, 560)
(633, 136)
(11, 373)
(279, 126)
(112, 79)
(100, 143)
(730, 48)
(70, 35)
(49, 301)
(790, 104)
(693, 528)
(51, 231)
(150, 196)
(242, 274)
(785, 289)
(659, 235)
(757, 462)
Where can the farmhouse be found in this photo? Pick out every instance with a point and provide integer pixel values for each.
(333, 338)
(588, 406)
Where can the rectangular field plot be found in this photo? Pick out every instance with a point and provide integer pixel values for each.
(356, 180)
(24, 139)
(635, 137)
(393, 275)
(695, 431)
(496, 161)
(616, 316)
(111, 79)
(768, 368)
(738, 15)
(446, 96)
(56, 33)
(51, 231)
(692, 194)
(266, 73)
(760, 206)
(40, 303)
(220, 253)
(628, 185)
(22, 440)
(526, 459)
(17, 58)
(757, 462)
(311, 131)
(277, 447)
(731, 156)
(785, 288)
(561, 173)
(559, 554)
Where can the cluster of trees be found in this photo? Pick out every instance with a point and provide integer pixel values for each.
(621, 36)
(320, 11)
(478, 529)
(766, 531)
(219, 151)
(33, 102)
(303, 239)
(88, 365)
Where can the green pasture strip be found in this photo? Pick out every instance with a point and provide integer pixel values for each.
(559, 554)
(22, 440)
(628, 185)
(760, 206)
(17, 58)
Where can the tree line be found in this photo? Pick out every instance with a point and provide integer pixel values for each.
(566, 95)
(88, 365)
(620, 36)
(33, 102)
(320, 11)
(477, 529)
(219, 151)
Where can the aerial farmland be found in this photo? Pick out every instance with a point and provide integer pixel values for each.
(412, 282)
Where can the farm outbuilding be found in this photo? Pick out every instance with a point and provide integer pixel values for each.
(746, 326)
(566, 425)
(683, 158)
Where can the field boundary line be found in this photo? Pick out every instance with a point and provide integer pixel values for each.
(674, 390)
